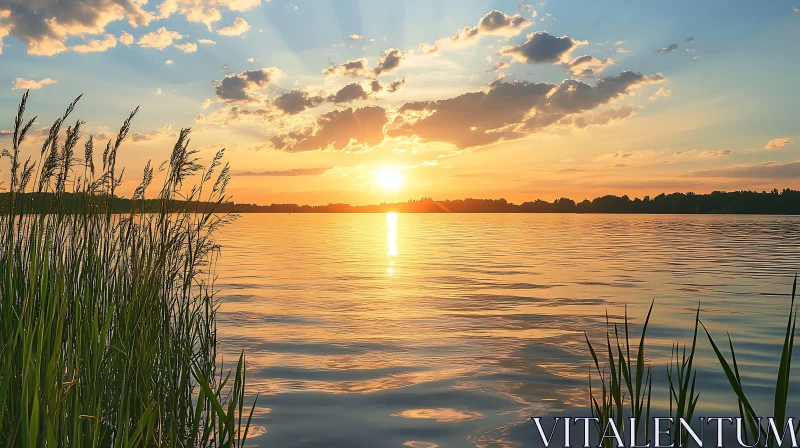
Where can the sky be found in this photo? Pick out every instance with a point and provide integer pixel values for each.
(379, 101)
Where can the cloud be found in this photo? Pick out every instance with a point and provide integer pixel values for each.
(662, 91)
(576, 96)
(623, 155)
(765, 170)
(169, 62)
(289, 172)
(777, 143)
(44, 27)
(396, 85)
(349, 93)
(499, 66)
(233, 114)
(207, 17)
(475, 118)
(355, 37)
(187, 47)
(339, 130)
(5, 28)
(426, 48)
(158, 91)
(512, 110)
(587, 66)
(543, 48)
(353, 68)
(296, 101)
(527, 7)
(6, 133)
(239, 27)
(97, 45)
(206, 42)
(689, 40)
(669, 49)
(25, 84)
(159, 39)
(242, 86)
(126, 38)
(206, 103)
(494, 23)
(205, 11)
(713, 154)
(600, 119)
(389, 62)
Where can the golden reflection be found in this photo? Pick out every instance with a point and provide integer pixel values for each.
(418, 444)
(391, 237)
(441, 415)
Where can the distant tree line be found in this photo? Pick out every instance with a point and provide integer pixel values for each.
(786, 202)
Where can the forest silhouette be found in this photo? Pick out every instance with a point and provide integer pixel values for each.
(786, 202)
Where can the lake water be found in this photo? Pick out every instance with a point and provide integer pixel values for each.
(386, 330)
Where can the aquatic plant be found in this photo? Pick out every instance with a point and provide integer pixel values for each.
(618, 381)
(622, 380)
(107, 320)
(754, 430)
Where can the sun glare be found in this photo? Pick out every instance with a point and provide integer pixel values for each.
(389, 178)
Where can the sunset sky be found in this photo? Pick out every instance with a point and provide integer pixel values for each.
(372, 101)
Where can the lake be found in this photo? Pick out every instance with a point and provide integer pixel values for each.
(446, 330)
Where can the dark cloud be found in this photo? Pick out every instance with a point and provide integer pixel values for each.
(290, 172)
(44, 26)
(6, 133)
(296, 101)
(337, 131)
(349, 93)
(354, 68)
(396, 85)
(765, 170)
(476, 118)
(240, 87)
(689, 40)
(494, 23)
(511, 110)
(576, 96)
(669, 49)
(389, 62)
(543, 48)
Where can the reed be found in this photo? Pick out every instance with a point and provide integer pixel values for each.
(620, 381)
(755, 430)
(107, 320)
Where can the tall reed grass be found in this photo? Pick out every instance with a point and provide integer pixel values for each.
(625, 389)
(107, 320)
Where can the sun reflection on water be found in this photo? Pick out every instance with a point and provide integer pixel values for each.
(391, 237)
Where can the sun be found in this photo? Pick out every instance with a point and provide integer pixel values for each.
(389, 178)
